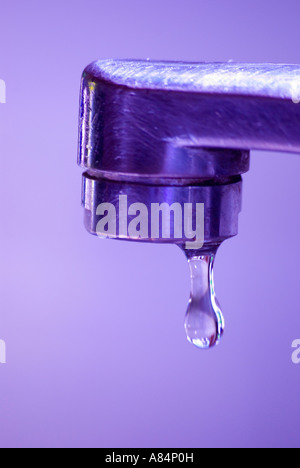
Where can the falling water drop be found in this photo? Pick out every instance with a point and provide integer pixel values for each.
(204, 323)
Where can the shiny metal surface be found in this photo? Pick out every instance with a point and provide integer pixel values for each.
(177, 132)
(222, 204)
(153, 119)
(273, 80)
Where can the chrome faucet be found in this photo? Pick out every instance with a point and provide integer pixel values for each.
(175, 138)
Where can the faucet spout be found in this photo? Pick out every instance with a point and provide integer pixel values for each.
(164, 146)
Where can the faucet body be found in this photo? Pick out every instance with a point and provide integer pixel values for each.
(181, 133)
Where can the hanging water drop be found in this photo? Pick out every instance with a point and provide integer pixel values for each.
(204, 323)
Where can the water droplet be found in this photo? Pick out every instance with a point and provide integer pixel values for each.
(204, 323)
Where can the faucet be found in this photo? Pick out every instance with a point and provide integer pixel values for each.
(164, 146)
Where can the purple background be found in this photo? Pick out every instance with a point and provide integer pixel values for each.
(96, 351)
